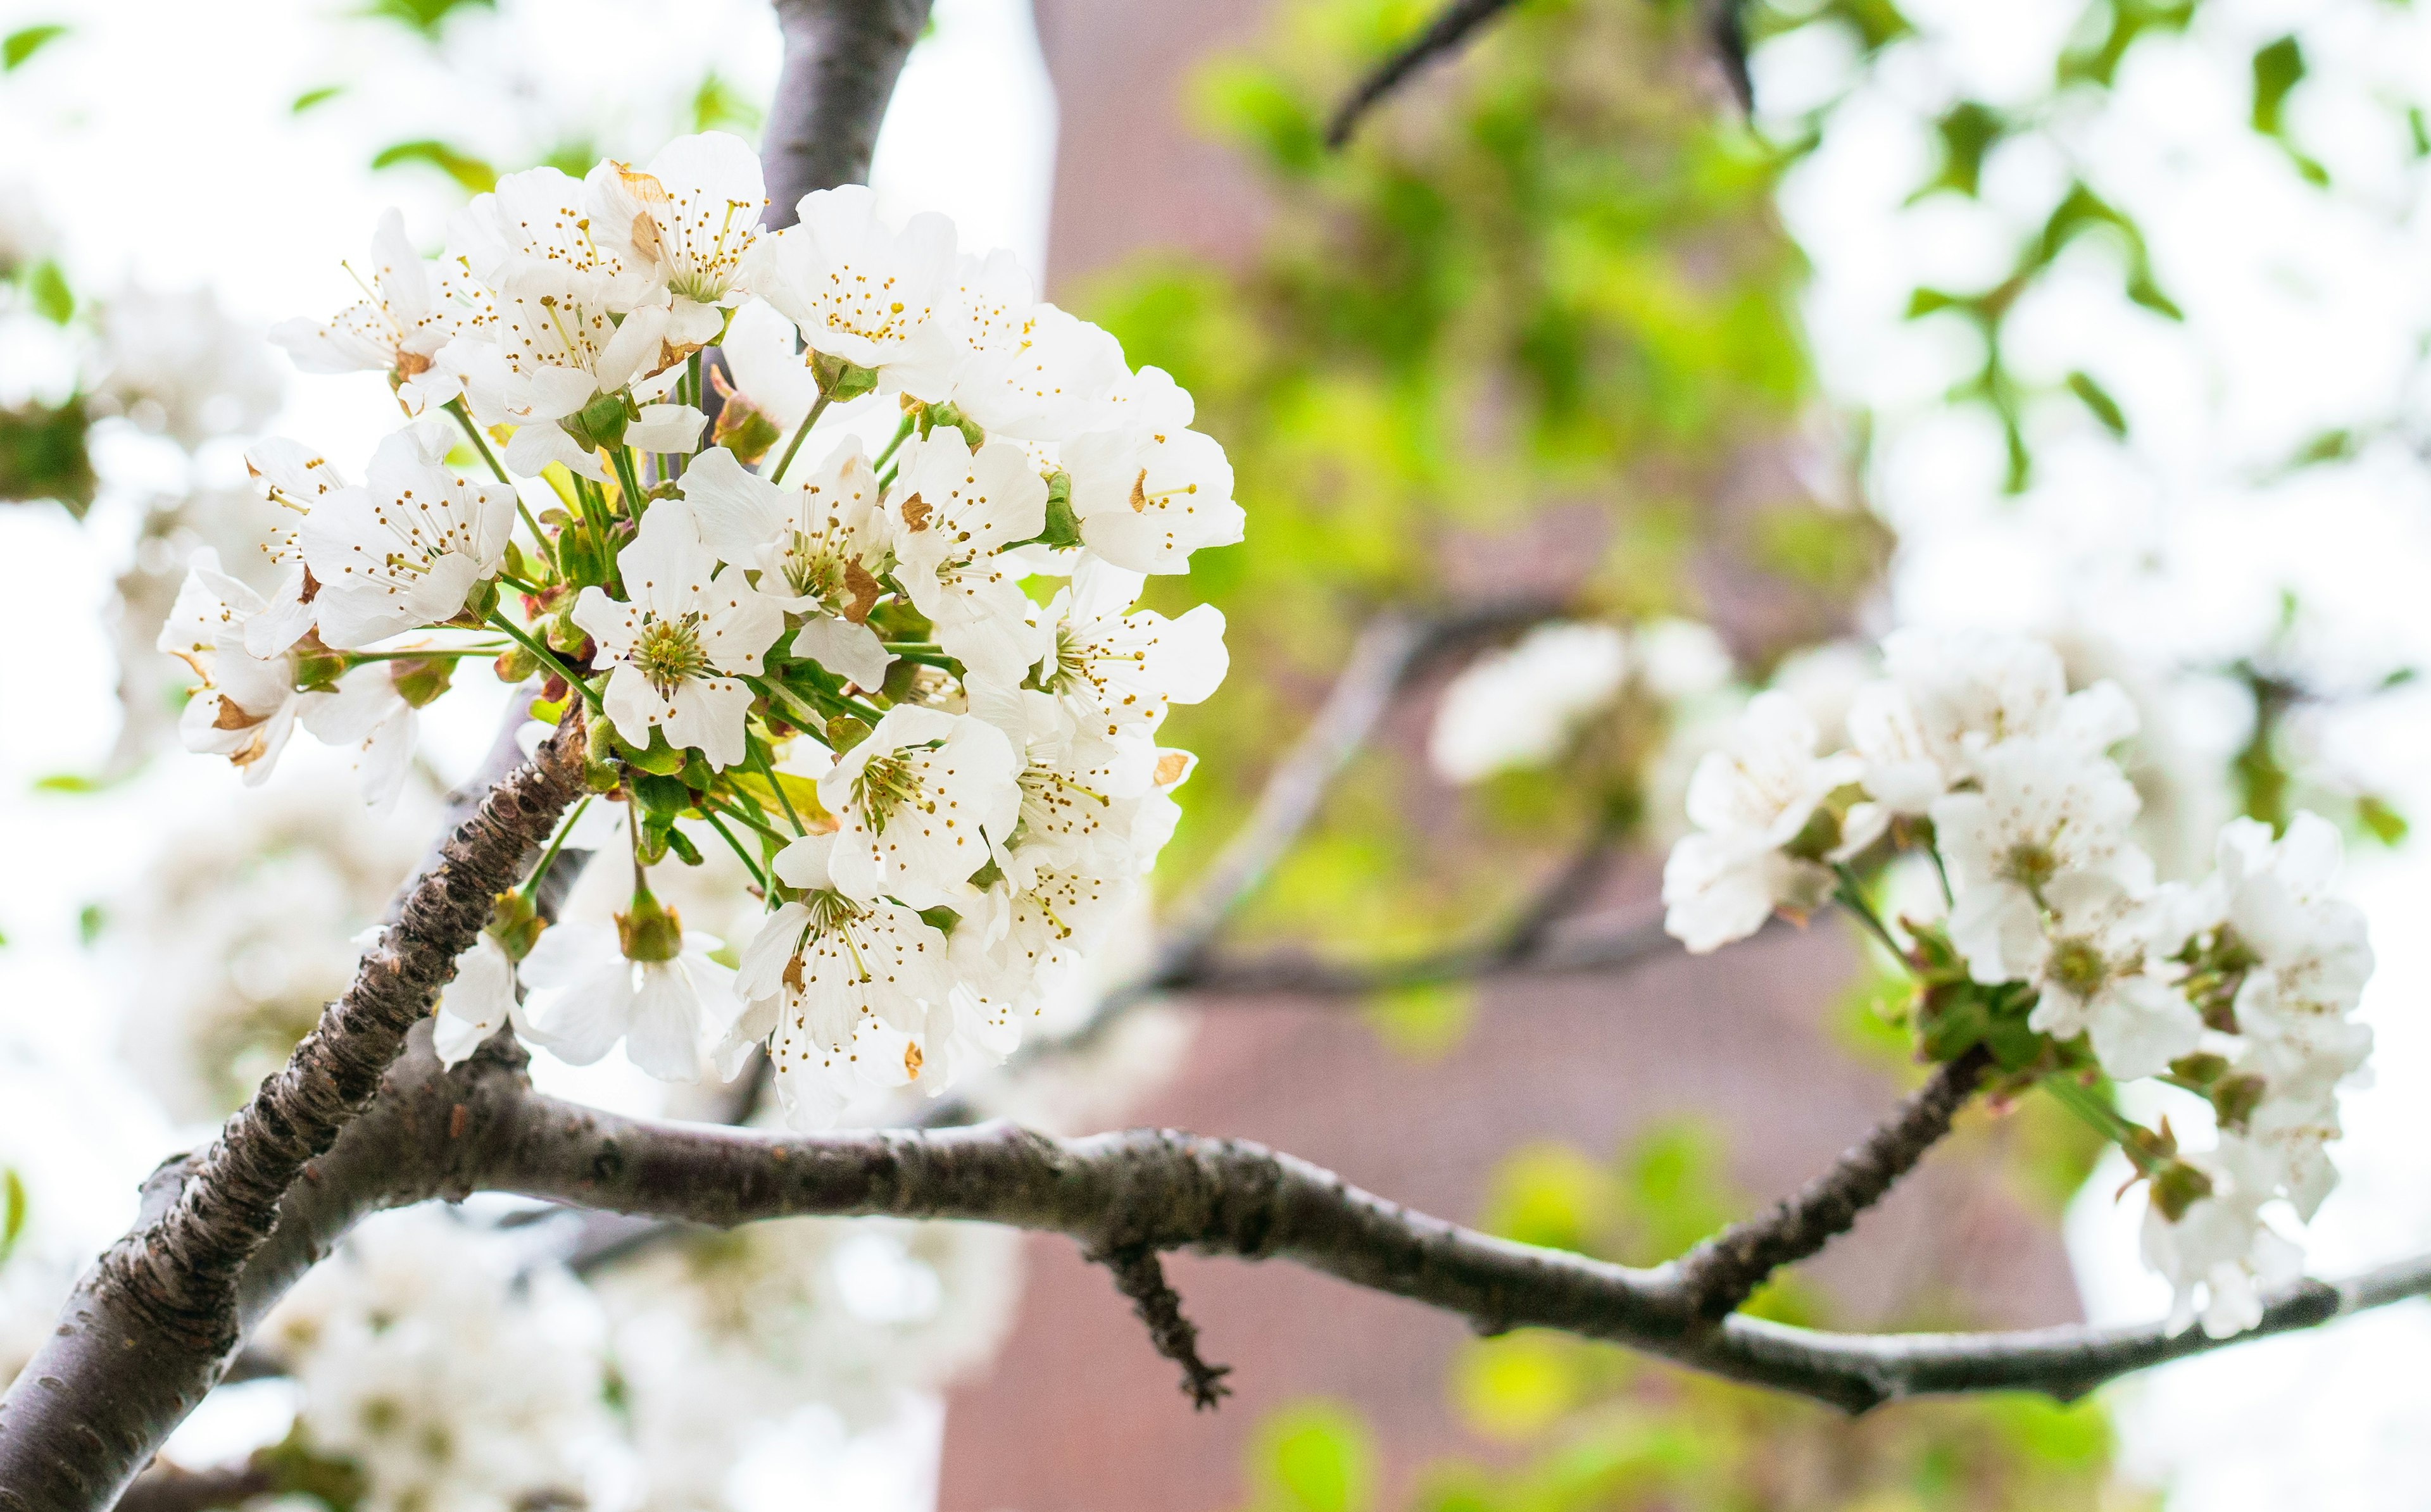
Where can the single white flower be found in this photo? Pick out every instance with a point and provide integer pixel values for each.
(1149, 495)
(2314, 952)
(2221, 1249)
(822, 965)
(588, 995)
(856, 290)
(952, 512)
(2048, 806)
(408, 548)
(477, 1002)
(2095, 979)
(919, 800)
(532, 238)
(1520, 706)
(408, 311)
(247, 706)
(679, 646)
(692, 214)
(817, 544)
(1749, 800)
(1042, 377)
(1118, 674)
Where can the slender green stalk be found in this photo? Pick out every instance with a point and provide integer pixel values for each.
(801, 433)
(902, 434)
(630, 481)
(482, 444)
(926, 658)
(760, 760)
(773, 689)
(2096, 1111)
(1852, 896)
(547, 659)
(736, 846)
(557, 842)
(710, 807)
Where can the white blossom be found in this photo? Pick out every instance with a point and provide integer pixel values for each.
(406, 549)
(1150, 493)
(1520, 706)
(952, 512)
(2094, 978)
(1119, 673)
(820, 967)
(692, 214)
(2046, 806)
(587, 995)
(919, 799)
(856, 290)
(1749, 800)
(2221, 1249)
(247, 706)
(452, 1375)
(680, 644)
(409, 310)
(771, 373)
(1950, 697)
(817, 545)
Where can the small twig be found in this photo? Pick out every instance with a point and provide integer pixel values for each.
(1724, 1270)
(1295, 973)
(1454, 24)
(1140, 1276)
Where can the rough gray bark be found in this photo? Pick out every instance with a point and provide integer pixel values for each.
(842, 57)
(1160, 1189)
(151, 1325)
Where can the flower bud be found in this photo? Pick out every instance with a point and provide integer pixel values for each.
(745, 430)
(840, 380)
(599, 424)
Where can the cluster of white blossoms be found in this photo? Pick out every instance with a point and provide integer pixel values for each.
(2058, 949)
(1526, 704)
(903, 676)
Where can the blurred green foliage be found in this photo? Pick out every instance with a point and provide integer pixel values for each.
(1561, 1424)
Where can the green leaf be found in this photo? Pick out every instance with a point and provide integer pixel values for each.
(474, 175)
(311, 97)
(24, 43)
(1923, 302)
(47, 287)
(2277, 69)
(718, 106)
(91, 922)
(2098, 399)
(1313, 1456)
(1967, 133)
(424, 16)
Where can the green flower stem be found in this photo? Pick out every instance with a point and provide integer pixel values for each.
(760, 760)
(557, 842)
(1949, 899)
(710, 807)
(801, 434)
(630, 481)
(926, 658)
(736, 846)
(775, 692)
(2096, 1111)
(902, 434)
(482, 444)
(547, 659)
(1852, 896)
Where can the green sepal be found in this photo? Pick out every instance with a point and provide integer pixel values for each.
(421, 681)
(840, 380)
(599, 426)
(649, 931)
(843, 732)
(657, 757)
(662, 796)
(681, 844)
(514, 924)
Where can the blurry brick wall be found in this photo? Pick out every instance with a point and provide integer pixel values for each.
(1078, 1414)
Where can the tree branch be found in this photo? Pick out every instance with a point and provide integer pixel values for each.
(1164, 1191)
(1723, 1272)
(1453, 25)
(842, 58)
(148, 1328)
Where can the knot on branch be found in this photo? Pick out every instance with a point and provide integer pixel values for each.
(1139, 1275)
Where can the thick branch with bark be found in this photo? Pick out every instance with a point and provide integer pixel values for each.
(148, 1328)
(1164, 1191)
(842, 58)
